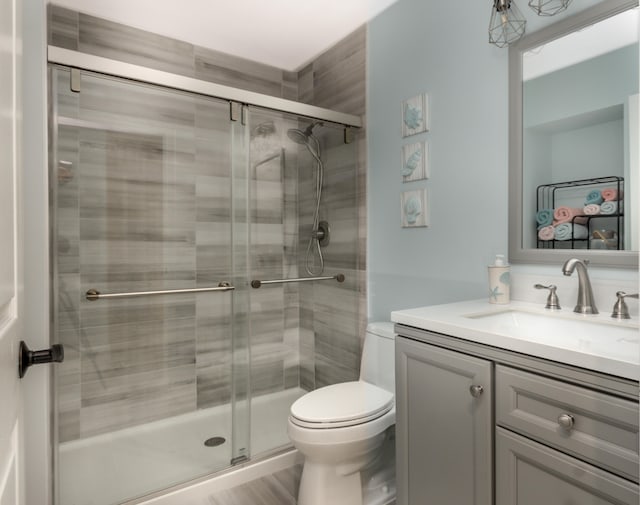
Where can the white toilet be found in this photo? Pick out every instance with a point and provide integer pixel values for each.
(340, 429)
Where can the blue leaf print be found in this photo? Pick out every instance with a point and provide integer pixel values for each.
(412, 117)
(411, 164)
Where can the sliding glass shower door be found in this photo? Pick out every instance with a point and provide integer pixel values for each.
(194, 288)
(149, 206)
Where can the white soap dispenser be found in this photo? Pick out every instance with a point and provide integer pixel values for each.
(499, 280)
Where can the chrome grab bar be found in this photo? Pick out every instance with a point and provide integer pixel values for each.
(256, 283)
(94, 294)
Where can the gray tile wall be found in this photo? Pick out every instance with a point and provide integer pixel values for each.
(100, 37)
(170, 356)
(333, 316)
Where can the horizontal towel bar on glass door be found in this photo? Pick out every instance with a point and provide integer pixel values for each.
(94, 294)
(256, 283)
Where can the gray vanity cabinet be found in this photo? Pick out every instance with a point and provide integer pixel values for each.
(539, 432)
(444, 426)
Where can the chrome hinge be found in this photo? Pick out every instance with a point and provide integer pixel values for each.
(235, 111)
(75, 80)
(348, 135)
(244, 119)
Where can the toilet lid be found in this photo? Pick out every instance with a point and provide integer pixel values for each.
(343, 404)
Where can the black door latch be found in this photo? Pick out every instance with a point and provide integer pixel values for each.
(27, 357)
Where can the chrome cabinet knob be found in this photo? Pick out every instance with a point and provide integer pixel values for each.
(566, 421)
(476, 390)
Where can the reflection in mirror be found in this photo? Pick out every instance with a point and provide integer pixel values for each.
(578, 162)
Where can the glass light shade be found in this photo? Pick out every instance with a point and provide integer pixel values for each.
(548, 7)
(507, 24)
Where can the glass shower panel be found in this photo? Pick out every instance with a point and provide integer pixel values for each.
(294, 325)
(141, 200)
(273, 226)
(330, 339)
(241, 242)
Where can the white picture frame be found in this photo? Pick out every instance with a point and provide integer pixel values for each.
(415, 162)
(414, 209)
(415, 115)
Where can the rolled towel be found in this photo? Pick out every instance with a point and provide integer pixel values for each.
(544, 217)
(592, 209)
(608, 208)
(566, 214)
(594, 196)
(611, 194)
(546, 233)
(567, 231)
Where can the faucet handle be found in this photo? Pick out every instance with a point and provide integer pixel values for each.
(620, 309)
(552, 300)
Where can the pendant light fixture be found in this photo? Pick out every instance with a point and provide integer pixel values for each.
(548, 7)
(507, 24)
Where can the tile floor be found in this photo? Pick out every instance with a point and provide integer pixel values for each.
(280, 488)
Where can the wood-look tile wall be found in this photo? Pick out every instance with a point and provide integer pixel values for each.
(138, 208)
(333, 316)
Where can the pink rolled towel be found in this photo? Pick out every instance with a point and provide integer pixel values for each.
(546, 233)
(611, 194)
(592, 209)
(566, 214)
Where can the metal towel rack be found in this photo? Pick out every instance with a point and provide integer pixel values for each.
(94, 294)
(256, 283)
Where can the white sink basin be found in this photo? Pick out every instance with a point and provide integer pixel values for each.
(594, 342)
(567, 330)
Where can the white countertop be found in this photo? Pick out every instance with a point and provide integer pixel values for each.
(595, 342)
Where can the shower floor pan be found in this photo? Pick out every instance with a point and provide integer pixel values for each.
(116, 467)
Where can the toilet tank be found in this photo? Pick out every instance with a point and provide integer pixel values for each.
(377, 365)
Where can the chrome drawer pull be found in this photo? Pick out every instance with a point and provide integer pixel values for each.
(566, 421)
(476, 391)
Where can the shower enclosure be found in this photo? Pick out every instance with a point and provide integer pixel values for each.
(165, 206)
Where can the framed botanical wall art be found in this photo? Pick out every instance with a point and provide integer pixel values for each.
(413, 208)
(415, 162)
(415, 115)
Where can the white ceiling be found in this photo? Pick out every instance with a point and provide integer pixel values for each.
(283, 33)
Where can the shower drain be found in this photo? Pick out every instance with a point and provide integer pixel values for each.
(214, 441)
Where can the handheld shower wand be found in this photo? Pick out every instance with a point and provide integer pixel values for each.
(306, 138)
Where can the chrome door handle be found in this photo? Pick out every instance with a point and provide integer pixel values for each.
(476, 390)
(566, 421)
(27, 357)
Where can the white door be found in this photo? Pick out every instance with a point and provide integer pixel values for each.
(11, 461)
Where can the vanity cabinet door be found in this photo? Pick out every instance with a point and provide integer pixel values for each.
(529, 473)
(444, 431)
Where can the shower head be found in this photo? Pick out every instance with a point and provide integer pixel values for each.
(263, 129)
(302, 137)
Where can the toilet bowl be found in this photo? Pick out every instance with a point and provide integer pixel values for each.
(340, 429)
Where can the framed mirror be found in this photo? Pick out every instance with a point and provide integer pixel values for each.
(574, 130)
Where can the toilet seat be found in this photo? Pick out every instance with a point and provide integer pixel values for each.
(341, 405)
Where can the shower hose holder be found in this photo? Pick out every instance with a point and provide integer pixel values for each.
(322, 233)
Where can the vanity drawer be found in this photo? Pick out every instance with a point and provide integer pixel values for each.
(596, 427)
(529, 473)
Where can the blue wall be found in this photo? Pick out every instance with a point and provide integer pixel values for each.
(606, 80)
(438, 47)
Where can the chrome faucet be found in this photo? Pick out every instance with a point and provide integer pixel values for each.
(586, 303)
